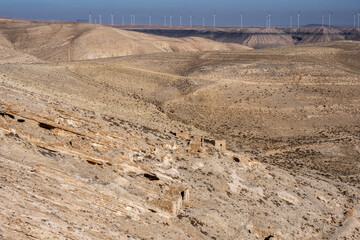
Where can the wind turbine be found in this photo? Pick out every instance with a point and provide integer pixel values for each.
(214, 20)
(90, 18)
(267, 21)
(203, 22)
(241, 19)
(191, 21)
(170, 20)
(270, 20)
(330, 14)
(150, 20)
(291, 21)
(180, 21)
(132, 18)
(358, 19)
(299, 19)
(165, 20)
(112, 19)
(100, 21)
(354, 20)
(322, 20)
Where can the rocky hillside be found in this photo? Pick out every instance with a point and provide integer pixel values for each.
(133, 147)
(70, 172)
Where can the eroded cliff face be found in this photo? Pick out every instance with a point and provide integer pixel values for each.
(69, 172)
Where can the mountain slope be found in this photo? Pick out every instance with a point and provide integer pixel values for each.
(80, 41)
(259, 37)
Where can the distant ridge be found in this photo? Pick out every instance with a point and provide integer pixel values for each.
(257, 37)
(312, 25)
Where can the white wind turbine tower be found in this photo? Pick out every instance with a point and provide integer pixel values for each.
(270, 20)
(358, 19)
(150, 16)
(180, 21)
(100, 20)
(132, 20)
(330, 14)
(354, 20)
(165, 20)
(291, 20)
(214, 20)
(191, 21)
(241, 19)
(171, 19)
(112, 19)
(90, 18)
(299, 19)
(266, 21)
(322, 20)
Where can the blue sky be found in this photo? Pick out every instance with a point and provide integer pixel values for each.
(227, 11)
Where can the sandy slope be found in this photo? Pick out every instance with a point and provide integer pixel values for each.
(266, 37)
(9, 55)
(79, 41)
(317, 35)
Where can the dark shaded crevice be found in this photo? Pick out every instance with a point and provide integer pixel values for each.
(3, 114)
(236, 159)
(92, 162)
(46, 126)
(296, 38)
(182, 195)
(151, 177)
(47, 152)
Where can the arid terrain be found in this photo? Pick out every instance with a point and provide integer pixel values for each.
(89, 114)
(257, 37)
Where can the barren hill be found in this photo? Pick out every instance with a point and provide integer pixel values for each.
(257, 37)
(352, 34)
(128, 147)
(251, 37)
(79, 41)
(316, 35)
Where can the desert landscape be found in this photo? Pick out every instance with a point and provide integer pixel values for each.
(108, 133)
(257, 37)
